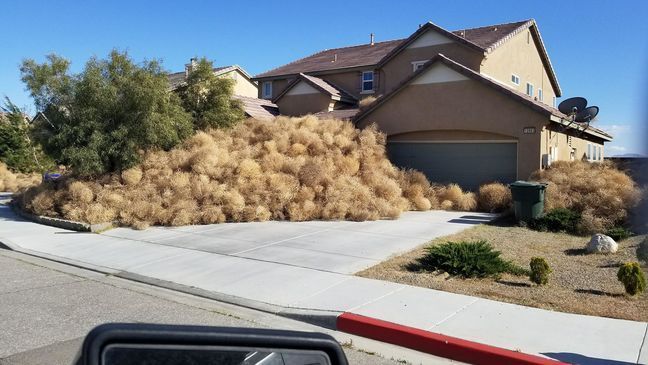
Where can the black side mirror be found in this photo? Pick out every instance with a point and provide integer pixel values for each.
(153, 344)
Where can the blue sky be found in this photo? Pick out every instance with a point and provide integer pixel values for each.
(598, 48)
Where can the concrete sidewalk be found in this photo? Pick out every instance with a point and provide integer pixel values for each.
(309, 265)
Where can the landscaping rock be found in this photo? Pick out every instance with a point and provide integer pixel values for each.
(601, 243)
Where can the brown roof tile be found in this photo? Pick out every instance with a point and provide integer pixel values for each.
(322, 85)
(258, 108)
(488, 36)
(337, 58)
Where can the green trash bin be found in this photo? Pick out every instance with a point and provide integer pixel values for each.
(528, 199)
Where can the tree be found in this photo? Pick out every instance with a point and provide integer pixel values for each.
(100, 119)
(17, 150)
(209, 98)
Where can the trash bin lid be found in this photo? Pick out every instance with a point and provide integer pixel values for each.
(528, 184)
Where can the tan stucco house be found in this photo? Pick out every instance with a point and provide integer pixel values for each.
(468, 106)
(245, 89)
(243, 83)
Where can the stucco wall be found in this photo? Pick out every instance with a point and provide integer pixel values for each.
(296, 105)
(519, 55)
(565, 139)
(400, 67)
(242, 85)
(464, 110)
(278, 85)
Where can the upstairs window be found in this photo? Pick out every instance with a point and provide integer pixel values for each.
(553, 102)
(529, 90)
(267, 90)
(540, 96)
(515, 79)
(367, 81)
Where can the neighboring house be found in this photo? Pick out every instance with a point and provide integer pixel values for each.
(245, 89)
(469, 106)
(243, 84)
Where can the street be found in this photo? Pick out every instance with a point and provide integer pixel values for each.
(46, 308)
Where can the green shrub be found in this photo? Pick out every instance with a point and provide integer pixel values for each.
(468, 259)
(540, 271)
(557, 220)
(632, 277)
(618, 233)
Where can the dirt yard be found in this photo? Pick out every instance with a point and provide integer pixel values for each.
(580, 283)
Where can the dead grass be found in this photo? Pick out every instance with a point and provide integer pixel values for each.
(580, 283)
(494, 197)
(13, 182)
(599, 191)
(288, 169)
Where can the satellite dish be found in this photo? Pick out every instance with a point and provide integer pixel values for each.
(567, 106)
(587, 114)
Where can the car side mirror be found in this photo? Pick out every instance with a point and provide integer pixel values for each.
(154, 344)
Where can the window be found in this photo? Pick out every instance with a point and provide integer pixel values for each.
(540, 96)
(267, 90)
(553, 101)
(367, 81)
(589, 151)
(515, 79)
(417, 64)
(529, 89)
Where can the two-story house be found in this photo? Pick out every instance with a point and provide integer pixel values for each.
(467, 106)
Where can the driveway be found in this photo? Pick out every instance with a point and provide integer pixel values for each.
(335, 246)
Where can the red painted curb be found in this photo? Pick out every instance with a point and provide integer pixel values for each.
(434, 343)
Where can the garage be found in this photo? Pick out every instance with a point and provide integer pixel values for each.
(468, 164)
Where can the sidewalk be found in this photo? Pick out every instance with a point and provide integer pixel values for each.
(177, 258)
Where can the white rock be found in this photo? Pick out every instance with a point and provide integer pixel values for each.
(601, 243)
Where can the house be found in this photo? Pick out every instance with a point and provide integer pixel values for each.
(243, 84)
(245, 90)
(468, 106)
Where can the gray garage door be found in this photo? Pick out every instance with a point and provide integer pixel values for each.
(468, 164)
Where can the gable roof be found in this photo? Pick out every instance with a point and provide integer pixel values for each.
(258, 108)
(551, 112)
(178, 79)
(336, 58)
(482, 39)
(323, 86)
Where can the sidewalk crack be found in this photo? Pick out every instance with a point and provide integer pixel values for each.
(453, 314)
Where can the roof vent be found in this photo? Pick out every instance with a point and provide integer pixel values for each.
(371, 39)
(494, 29)
(334, 58)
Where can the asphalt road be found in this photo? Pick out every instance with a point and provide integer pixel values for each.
(46, 308)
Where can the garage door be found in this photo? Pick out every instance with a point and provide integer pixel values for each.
(468, 164)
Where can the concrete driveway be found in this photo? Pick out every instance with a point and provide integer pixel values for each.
(339, 246)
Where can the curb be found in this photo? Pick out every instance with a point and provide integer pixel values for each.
(62, 223)
(435, 343)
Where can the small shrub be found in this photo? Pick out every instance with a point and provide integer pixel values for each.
(468, 259)
(557, 220)
(540, 271)
(494, 197)
(618, 233)
(632, 277)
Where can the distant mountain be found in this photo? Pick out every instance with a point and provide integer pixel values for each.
(630, 155)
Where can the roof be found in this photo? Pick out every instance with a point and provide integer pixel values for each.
(336, 58)
(342, 114)
(258, 108)
(482, 39)
(540, 107)
(323, 86)
(177, 79)
(490, 36)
